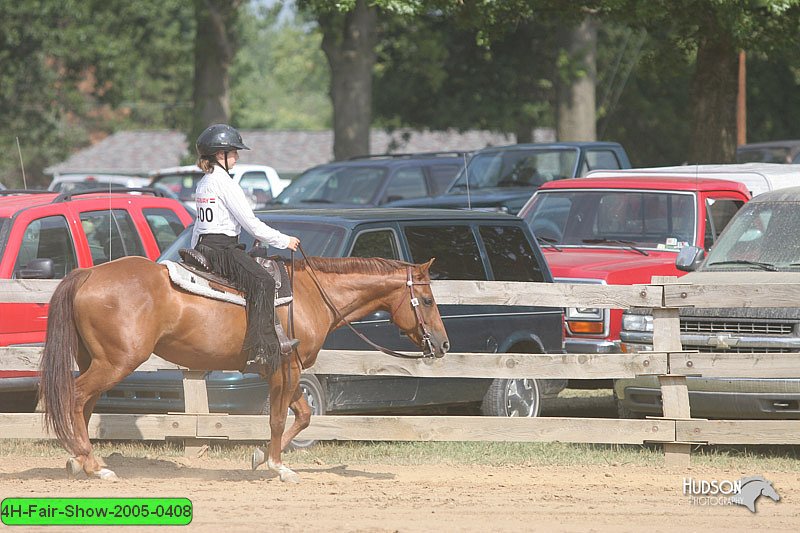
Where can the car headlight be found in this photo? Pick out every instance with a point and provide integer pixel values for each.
(637, 322)
(585, 320)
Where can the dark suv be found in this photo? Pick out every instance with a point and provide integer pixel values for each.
(503, 178)
(372, 180)
(467, 246)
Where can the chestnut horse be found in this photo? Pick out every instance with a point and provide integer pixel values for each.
(109, 319)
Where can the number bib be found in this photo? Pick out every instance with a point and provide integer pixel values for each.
(207, 216)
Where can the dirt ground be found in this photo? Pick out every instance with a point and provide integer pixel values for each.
(228, 497)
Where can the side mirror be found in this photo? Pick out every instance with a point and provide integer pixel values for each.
(37, 269)
(689, 258)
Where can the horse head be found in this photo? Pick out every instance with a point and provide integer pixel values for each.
(414, 311)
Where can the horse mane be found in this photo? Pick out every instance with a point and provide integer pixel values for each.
(353, 265)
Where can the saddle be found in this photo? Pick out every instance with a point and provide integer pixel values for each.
(197, 264)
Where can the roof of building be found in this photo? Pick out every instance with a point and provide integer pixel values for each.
(289, 152)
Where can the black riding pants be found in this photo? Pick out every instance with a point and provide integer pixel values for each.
(228, 259)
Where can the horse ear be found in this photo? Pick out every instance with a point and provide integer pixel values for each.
(425, 267)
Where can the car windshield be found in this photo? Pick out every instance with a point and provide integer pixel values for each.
(516, 168)
(762, 236)
(644, 219)
(776, 154)
(318, 239)
(183, 185)
(335, 185)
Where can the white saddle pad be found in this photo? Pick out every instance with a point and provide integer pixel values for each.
(189, 281)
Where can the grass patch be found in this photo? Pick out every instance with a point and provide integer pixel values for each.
(747, 458)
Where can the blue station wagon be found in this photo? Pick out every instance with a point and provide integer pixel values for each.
(466, 245)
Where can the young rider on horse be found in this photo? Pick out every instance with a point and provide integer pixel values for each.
(222, 212)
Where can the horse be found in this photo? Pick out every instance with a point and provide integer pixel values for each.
(109, 319)
(753, 488)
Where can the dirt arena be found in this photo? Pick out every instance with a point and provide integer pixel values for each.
(228, 497)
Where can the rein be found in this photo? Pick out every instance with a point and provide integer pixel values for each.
(426, 336)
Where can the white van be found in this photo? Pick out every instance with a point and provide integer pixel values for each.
(260, 182)
(757, 177)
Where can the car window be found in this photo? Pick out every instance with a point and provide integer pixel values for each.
(165, 225)
(599, 159)
(648, 219)
(442, 176)
(510, 254)
(376, 243)
(517, 168)
(719, 212)
(183, 185)
(406, 183)
(337, 185)
(454, 247)
(255, 180)
(111, 237)
(48, 238)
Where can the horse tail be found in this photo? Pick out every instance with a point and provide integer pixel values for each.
(57, 385)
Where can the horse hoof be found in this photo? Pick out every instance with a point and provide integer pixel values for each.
(258, 458)
(106, 475)
(289, 476)
(74, 468)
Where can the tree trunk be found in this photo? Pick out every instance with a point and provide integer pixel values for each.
(713, 97)
(577, 114)
(214, 49)
(349, 44)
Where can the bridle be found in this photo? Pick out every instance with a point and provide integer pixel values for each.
(426, 335)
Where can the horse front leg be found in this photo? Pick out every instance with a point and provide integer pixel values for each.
(281, 391)
(302, 418)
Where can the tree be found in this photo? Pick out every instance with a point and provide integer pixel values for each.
(577, 112)
(712, 33)
(214, 50)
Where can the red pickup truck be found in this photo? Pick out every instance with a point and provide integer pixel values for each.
(622, 231)
(44, 235)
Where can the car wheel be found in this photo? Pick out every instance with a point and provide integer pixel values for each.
(512, 397)
(317, 398)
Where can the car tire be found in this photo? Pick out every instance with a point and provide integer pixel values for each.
(317, 396)
(512, 397)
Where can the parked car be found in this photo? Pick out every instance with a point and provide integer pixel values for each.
(80, 181)
(44, 235)
(372, 180)
(622, 231)
(764, 237)
(781, 152)
(503, 178)
(466, 245)
(260, 182)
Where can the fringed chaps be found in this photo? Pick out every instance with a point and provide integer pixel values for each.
(229, 260)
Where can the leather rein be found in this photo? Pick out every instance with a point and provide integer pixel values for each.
(426, 336)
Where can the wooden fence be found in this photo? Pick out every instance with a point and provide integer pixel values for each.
(676, 430)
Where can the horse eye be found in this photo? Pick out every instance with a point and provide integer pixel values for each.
(427, 301)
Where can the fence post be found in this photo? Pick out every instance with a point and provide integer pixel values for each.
(674, 392)
(195, 398)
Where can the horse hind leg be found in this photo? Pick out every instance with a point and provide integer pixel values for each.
(88, 387)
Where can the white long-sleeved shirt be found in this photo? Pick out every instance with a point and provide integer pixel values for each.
(223, 208)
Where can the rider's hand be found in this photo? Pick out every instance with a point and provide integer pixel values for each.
(294, 242)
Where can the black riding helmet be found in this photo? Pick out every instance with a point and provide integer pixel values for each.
(219, 137)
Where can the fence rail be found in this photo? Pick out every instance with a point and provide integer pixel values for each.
(676, 430)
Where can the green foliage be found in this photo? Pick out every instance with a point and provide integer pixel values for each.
(280, 76)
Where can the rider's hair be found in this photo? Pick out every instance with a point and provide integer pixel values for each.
(206, 163)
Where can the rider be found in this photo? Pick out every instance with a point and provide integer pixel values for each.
(222, 211)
